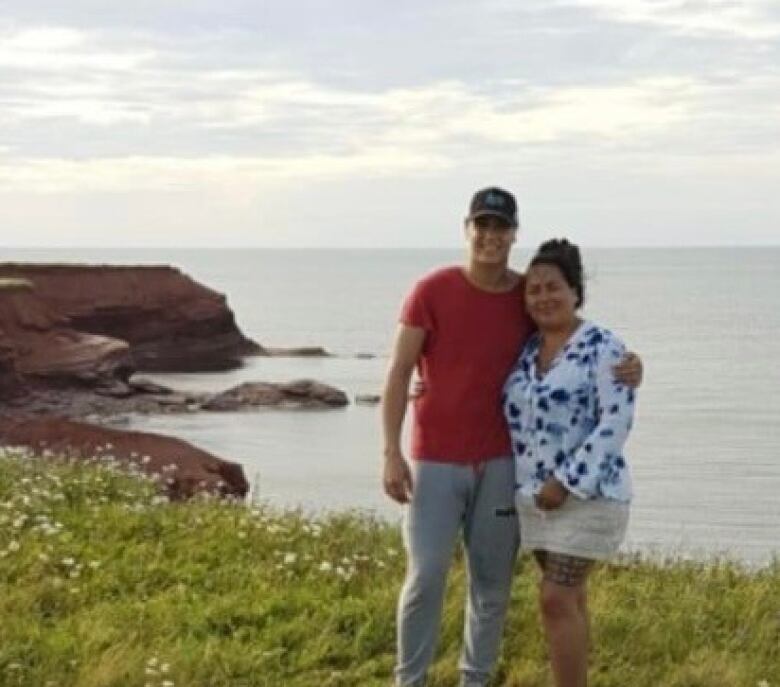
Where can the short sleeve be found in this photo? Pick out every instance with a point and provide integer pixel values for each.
(416, 310)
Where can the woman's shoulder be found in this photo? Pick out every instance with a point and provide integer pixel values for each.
(599, 338)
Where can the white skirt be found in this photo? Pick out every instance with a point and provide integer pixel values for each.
(588, 529)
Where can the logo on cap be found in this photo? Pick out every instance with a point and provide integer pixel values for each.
(495, 199)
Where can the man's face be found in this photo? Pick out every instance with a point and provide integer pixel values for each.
(490, 238)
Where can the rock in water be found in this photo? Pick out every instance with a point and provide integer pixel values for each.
(367, 399)
(300, 352)
(303, 393)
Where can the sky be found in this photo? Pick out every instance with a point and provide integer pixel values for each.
(359, 123)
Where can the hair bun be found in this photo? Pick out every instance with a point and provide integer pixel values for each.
(562, 249)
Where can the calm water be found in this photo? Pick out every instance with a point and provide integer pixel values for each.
(706, 321)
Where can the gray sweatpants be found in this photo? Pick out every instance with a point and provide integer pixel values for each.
(447, 499)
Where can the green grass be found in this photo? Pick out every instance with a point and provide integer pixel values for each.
(104, 583)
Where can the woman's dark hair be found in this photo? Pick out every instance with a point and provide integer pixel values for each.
(566, 257)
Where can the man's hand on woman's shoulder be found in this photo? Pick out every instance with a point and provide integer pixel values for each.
(629, 370)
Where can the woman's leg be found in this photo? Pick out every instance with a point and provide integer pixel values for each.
(562, 600)
(583, 604)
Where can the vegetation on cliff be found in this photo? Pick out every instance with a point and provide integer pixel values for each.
(105, 583)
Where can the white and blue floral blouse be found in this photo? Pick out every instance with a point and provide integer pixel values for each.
(572, 421)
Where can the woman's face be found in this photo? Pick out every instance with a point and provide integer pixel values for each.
(550, 301)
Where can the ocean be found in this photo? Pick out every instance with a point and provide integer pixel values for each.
(705, 451)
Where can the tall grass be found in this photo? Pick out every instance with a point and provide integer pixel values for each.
(104, 583)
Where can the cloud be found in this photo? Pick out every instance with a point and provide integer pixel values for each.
(750, 19)
(62, 49)
(282, 126)
(331, 132)
(57, 175)
(217, 100)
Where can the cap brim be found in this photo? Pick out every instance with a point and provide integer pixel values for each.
(511, 221)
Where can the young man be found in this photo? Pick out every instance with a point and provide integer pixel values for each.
(463, 327)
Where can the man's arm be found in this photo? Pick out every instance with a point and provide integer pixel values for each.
(397, 478)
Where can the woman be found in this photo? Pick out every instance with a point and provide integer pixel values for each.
(569, 419)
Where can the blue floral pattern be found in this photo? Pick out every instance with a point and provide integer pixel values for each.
(571, 422)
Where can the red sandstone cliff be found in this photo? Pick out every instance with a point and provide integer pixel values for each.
(195, 470)
(170, 321)
(68, 331)
(37, 345)
(9, 377)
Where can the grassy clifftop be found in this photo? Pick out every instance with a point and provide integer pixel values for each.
(104, 583)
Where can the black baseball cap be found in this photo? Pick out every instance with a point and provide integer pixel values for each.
(494, 201)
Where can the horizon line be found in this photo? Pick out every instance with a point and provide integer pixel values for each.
(206, 247)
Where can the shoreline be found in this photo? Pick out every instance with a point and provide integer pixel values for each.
(74, 336)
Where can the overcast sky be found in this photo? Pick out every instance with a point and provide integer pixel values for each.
(365, 123)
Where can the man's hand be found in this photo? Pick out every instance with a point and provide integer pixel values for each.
(552, 495)
(397, 477)
(629, 370)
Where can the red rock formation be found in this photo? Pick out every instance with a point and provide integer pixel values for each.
(302, 393)
(9, 378)
(171, 322)
(195, 470)
(38, 345)
(299, 352)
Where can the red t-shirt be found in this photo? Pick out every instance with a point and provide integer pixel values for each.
(473, 338)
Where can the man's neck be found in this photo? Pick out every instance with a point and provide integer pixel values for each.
(489, 277)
